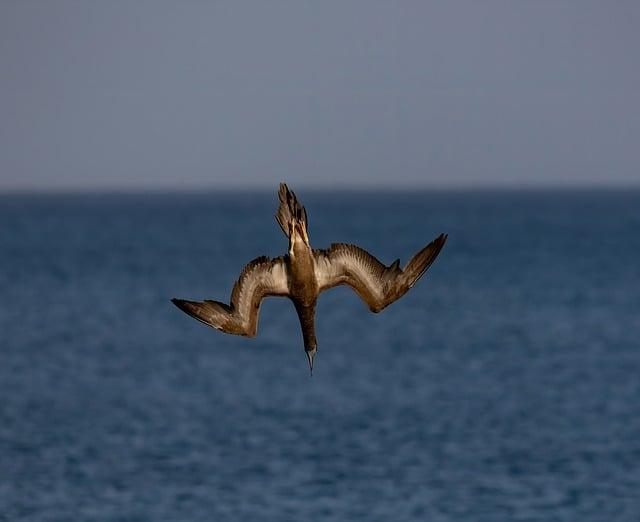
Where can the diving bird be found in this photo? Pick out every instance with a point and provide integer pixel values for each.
(303, 273)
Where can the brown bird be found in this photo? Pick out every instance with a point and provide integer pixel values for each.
(303, 273)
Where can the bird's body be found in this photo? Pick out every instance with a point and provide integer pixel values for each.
(303, 273)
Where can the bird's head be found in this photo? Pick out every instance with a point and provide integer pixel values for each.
(311, 353)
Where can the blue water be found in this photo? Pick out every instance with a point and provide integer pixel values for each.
(504, 386)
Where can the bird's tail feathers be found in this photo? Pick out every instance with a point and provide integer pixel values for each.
(290, 212)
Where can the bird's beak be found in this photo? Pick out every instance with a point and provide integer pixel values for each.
(310, 356)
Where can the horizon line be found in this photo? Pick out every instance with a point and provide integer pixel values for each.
(371, 188)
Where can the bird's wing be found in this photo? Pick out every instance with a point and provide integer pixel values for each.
(260, 278)
(378, 285)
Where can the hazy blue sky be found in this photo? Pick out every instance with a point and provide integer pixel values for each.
(132, 94)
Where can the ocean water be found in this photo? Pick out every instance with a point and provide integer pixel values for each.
(504, 386)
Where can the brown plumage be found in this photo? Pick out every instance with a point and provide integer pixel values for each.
(303, 273)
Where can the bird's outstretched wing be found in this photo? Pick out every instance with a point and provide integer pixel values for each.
(260, 278)
(378, 285)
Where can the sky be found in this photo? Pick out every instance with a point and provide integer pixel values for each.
(191, 95)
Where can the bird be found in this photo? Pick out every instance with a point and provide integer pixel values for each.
(303, 273)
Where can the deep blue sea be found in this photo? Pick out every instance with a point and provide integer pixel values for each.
(504, 386)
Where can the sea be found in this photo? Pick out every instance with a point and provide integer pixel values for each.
(505, 386)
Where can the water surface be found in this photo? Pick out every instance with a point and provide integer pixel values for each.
(504, 386)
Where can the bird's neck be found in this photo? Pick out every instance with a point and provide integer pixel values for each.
(307, 316)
